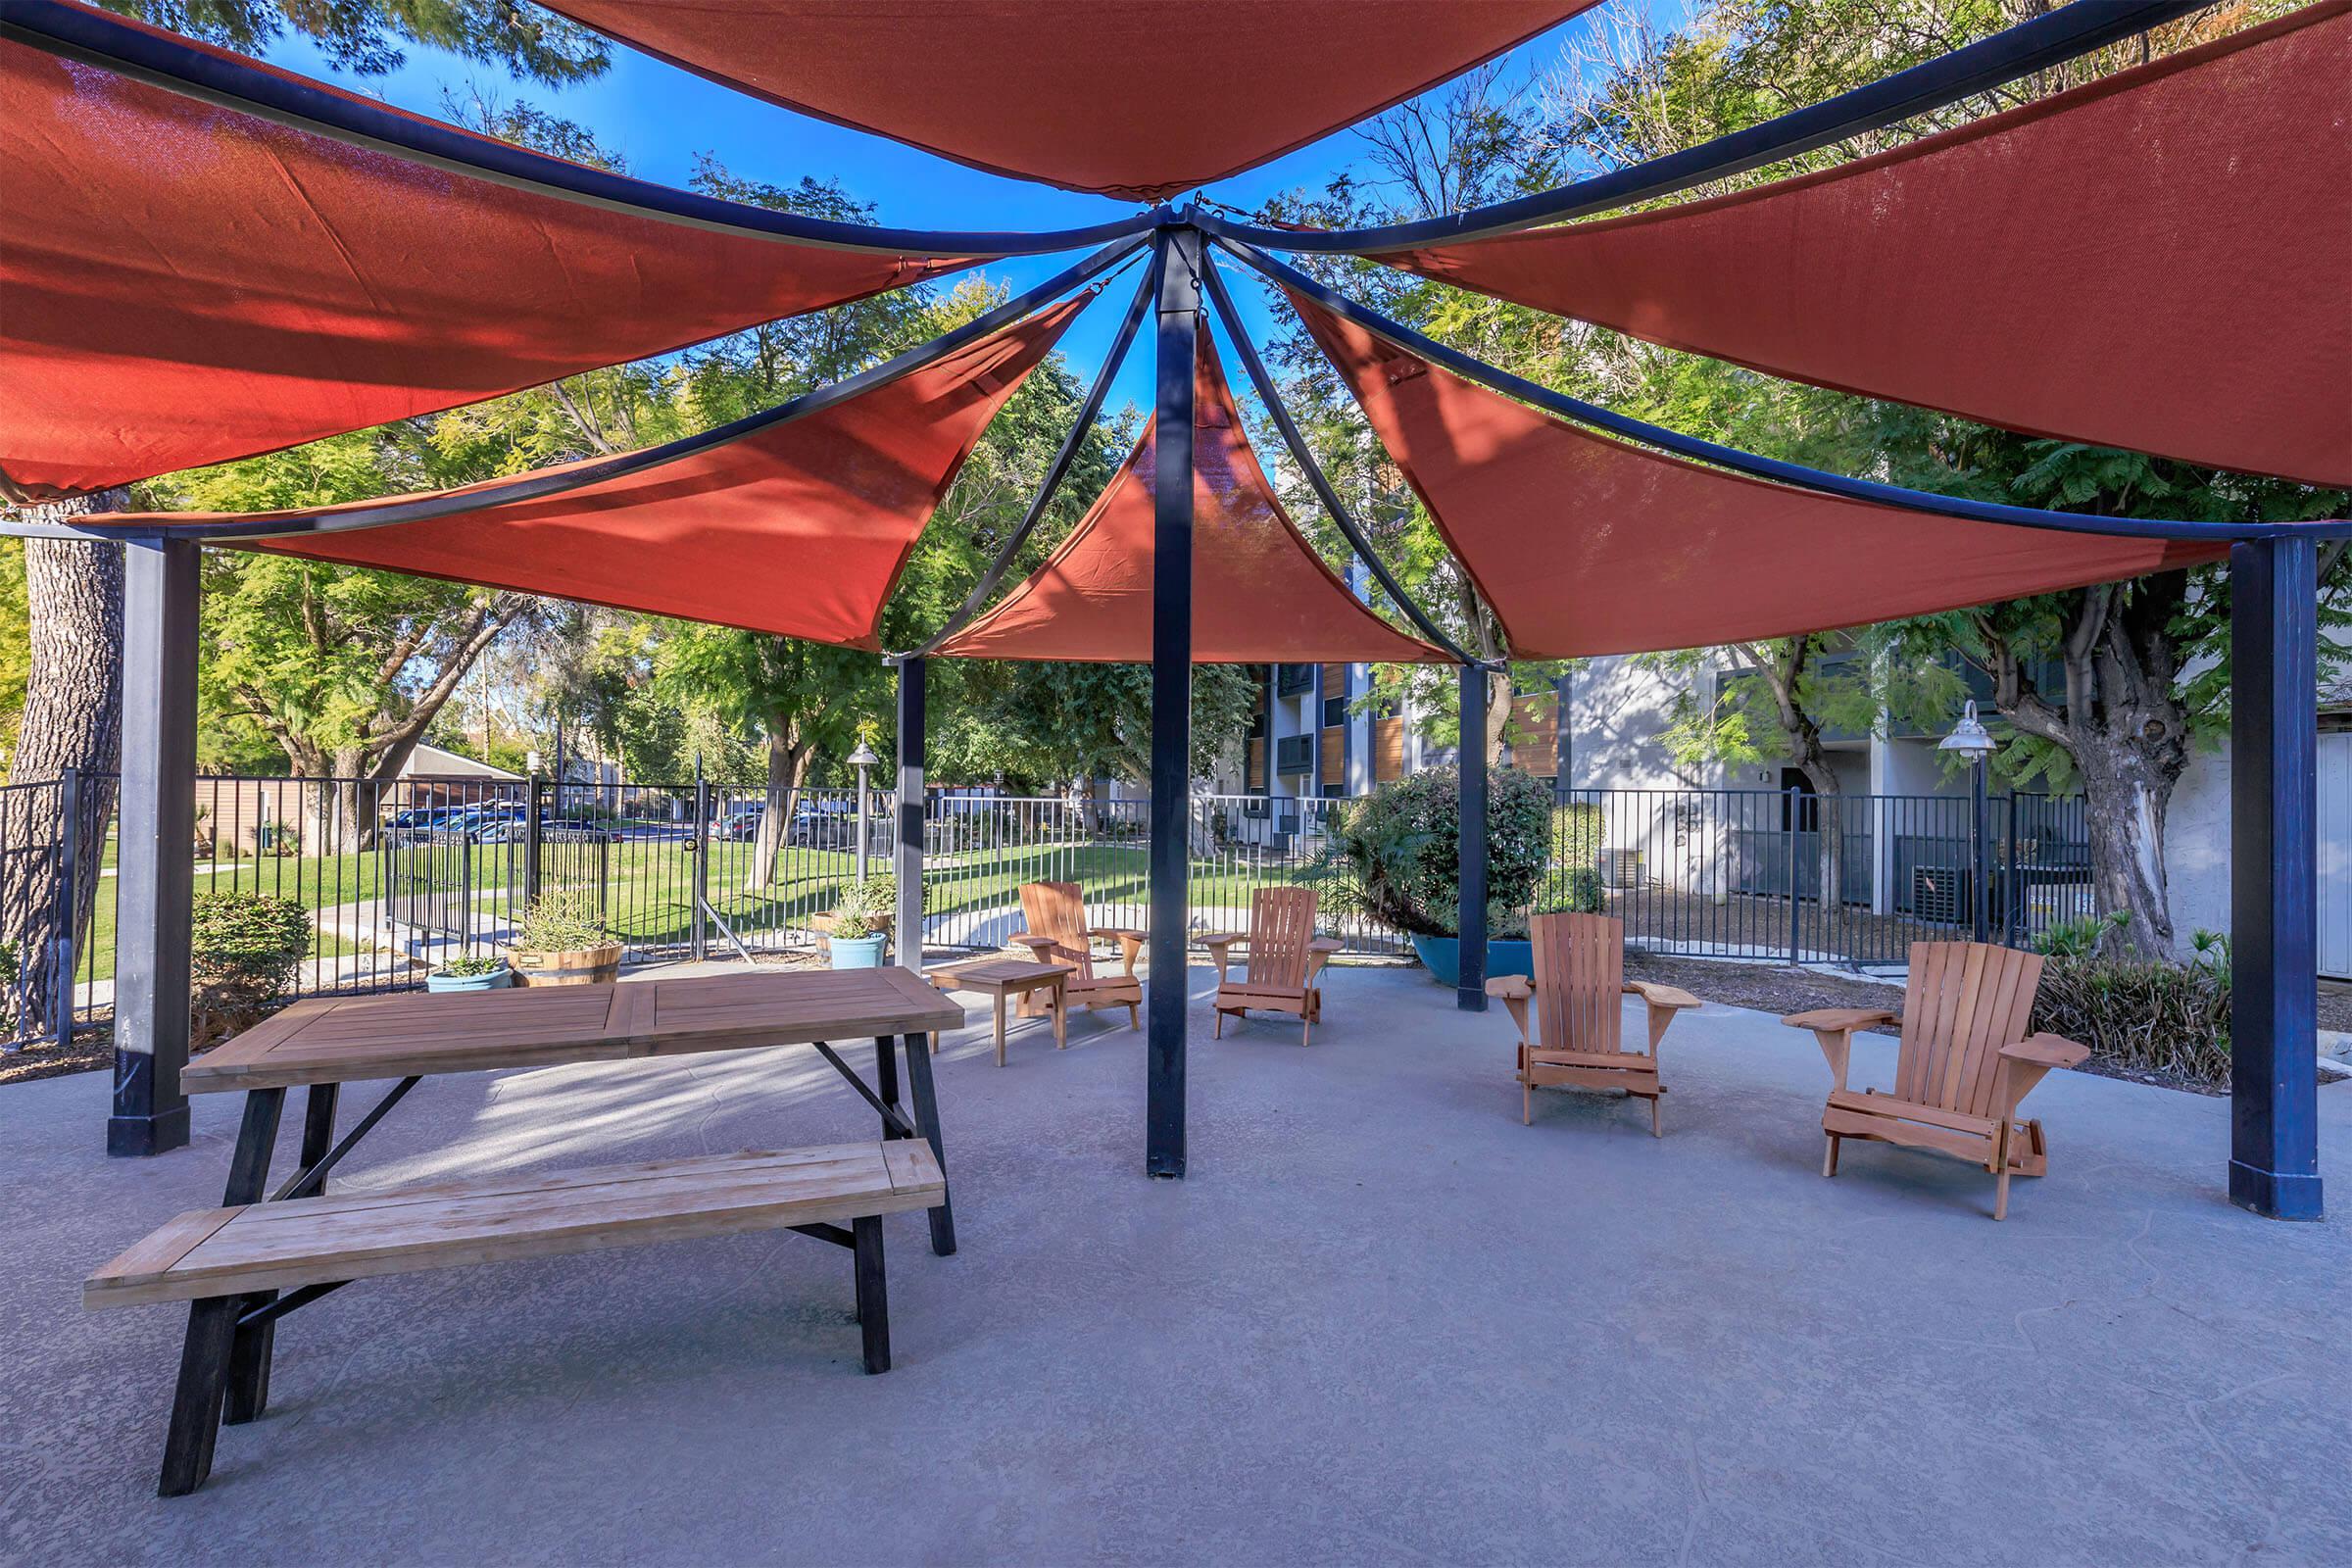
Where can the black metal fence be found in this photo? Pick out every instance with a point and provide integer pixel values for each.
(1739, 873)
(399, 874)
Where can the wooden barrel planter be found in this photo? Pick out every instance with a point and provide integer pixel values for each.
(575, 966)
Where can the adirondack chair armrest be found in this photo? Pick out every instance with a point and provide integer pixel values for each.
(1220, 947)
(1833, 1030)
(2024, 1064)
(1040, 948)
(1846, 1019)
(1130, 941)
(1662, 1002)
(2046, 1052)
(1516, 991)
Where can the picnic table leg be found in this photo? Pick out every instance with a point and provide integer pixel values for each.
(886, 1072)
(874, 1296)
(249, 1354)
(926, 1121)
(204, 1356)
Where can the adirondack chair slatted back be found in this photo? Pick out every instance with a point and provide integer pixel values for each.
(1282, 922)
(1579, 981)
(1964, 1003)
(1057, 910)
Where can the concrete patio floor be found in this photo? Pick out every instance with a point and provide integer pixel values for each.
(1381, 1321)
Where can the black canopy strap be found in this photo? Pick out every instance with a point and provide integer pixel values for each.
(2048, 40)
(1340, 514)
(1056, 471)
(530, 487)
(1749, 463)
(86, 33)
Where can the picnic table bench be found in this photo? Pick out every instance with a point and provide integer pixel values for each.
(261, 1255)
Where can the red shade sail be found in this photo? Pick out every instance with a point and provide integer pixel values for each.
(1134, 98)
(1261, 594)
(1586, 545)
(799, 529)
(183, 282)
(2159, 261)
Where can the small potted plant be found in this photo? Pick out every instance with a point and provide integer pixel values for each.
(859, 926)
(561, 942)
(469, 971)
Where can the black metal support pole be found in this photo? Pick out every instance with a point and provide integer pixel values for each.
(1171, 700)
(1563, 737)
(1470, 993)
(2273, 878)
(2012, 879)
(1979, 845)
(909, 864)
(155, 861)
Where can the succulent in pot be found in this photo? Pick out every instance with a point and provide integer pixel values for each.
(859, 926)
(469, 971)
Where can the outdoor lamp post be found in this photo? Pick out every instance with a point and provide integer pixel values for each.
(1971, 740)
(861, 759)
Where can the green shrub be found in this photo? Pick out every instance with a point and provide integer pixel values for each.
(243, 949)
(2149, 1015)
(1576, 890)
(563, 919)
(467, 963)
(1576, 835)
(1395, 854)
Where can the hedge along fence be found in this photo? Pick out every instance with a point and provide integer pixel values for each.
(2146, 1016)
(244, 949)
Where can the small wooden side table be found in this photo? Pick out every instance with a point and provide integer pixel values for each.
(1002, 979)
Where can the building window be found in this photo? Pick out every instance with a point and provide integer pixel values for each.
(1292, 679)
(1294, 754)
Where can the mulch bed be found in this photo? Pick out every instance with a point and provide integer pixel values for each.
(91, 1050)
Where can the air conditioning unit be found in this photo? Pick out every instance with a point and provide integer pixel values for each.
(1621, 868)
(1939, 893)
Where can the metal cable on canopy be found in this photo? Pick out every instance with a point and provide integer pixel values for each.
(1358, 540)
(977, 600)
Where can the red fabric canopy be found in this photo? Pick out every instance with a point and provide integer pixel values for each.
(184, 283)
(1134, 98)
(1261, 594)
(1584, 545)
(799, 529)
(2160, 259)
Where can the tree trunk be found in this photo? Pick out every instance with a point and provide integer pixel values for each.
(2122, 726)
(787, 764)
(73, 719)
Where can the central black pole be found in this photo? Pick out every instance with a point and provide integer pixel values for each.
(1171, 695)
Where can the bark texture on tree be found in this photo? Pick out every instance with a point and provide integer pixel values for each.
(73, 719)
(788, 758)
(2121, 722)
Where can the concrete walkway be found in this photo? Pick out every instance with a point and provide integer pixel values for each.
(1380, 1322)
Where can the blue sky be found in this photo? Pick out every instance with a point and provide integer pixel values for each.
(659, 118)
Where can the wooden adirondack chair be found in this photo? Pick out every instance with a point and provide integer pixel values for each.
(1285, 957)
(1579, 990)
(1057, 933)
(1965, 1064)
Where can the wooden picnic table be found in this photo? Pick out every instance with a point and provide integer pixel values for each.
(264, 1253)
(324, 1042)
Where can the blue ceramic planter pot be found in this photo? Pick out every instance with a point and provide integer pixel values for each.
(1443, 957)
(857, 953)
(495, 980)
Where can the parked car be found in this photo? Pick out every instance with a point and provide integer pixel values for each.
(739, 825)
